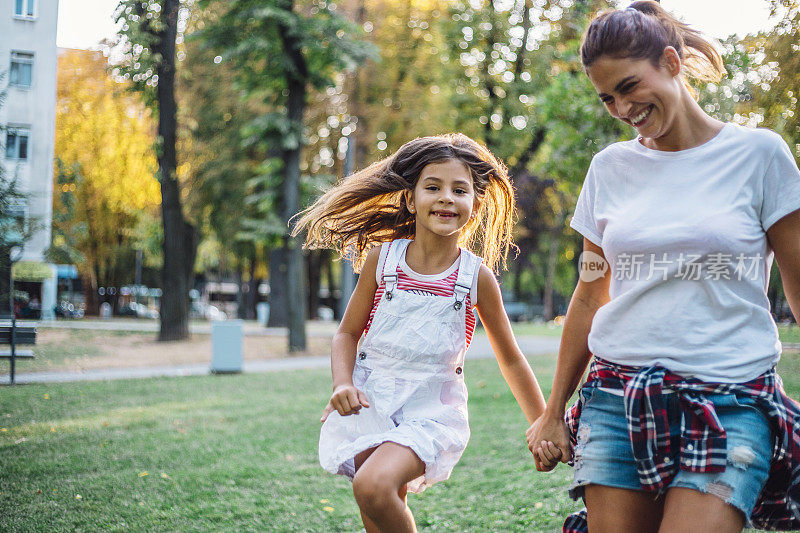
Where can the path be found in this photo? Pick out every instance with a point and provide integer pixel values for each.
(480, 349)
(251, 327)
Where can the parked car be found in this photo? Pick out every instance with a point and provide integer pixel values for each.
(518, 311)
(200, 309)
(67, 310)
(137, 310)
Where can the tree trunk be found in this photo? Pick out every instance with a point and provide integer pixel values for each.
(297, 80)
(519, 268)
(240, 293)
(251, 298)
(552, 262)
(179, 237)
(6, 291)
(278, 304)
(314, 263)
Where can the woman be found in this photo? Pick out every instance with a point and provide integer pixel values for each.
(682, 424)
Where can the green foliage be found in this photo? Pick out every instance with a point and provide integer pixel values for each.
(140, 46)
(779, 50)
(15, 227)
(249, 38)
(247, 34)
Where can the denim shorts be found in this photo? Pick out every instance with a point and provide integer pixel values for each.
(603, 455)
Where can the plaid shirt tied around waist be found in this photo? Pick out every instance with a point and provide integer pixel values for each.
(703, 439)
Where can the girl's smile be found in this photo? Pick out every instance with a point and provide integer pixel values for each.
(443, 199)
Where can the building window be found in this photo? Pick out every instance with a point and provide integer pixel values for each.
(15, 220)
(25, 8)
(17, 144)
(21, 73)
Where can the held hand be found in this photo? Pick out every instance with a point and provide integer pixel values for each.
(347, 400)
(548, 441)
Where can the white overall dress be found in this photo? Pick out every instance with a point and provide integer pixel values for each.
(410, 366)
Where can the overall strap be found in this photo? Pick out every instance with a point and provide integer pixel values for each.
(396, 250)
(466, 272)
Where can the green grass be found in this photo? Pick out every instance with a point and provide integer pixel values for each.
(536, 328)
(239, 453)
(80, 344)
(788, 333)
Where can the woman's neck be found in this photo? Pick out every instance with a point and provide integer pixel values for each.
(691, 127)
(431, 254)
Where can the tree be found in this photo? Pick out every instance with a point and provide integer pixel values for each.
(15, 229)
(149, 33)
(518, 85)
(214, 116)
(104, 180)
(282, 49)
(779, 73)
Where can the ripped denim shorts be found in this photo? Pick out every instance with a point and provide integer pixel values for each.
(603, 454)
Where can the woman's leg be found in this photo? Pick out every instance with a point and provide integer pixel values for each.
(380, 487)
(613, 510)
(688, 510)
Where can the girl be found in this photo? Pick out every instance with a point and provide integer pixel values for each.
(682, 424)
(397, 418)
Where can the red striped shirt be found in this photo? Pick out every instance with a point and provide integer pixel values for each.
(440, 287)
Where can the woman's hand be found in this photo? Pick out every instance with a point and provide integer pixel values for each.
(346, 400)
(548, 441)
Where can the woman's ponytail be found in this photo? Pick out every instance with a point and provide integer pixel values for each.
(642, 31)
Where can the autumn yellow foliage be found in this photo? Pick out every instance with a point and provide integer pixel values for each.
(105, 170)
(108, 132)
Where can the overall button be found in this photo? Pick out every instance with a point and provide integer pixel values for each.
(362, 356)
(459, 370)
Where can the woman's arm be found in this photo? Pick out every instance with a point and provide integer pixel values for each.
(346, 399)
(784, 238)
(513, 365)
(573, 356)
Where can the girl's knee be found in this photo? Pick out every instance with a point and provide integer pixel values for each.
(373, 491)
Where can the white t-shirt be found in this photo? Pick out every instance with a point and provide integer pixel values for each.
(685, 236)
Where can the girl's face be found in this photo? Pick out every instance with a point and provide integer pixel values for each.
(443, 199)
(639, 94)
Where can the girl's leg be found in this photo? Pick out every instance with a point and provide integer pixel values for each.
(688, 510)
(613, 510)
(380, 487)
(359, 459)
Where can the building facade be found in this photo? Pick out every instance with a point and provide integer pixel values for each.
(28, 64)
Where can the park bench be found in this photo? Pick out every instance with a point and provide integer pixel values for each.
(13, 335)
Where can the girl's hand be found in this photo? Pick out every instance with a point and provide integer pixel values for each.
(548, 441)
(346, 400)
(325, 412)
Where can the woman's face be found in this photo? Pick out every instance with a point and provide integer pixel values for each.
(639, 93)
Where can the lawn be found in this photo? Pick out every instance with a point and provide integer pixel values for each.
(239, 453)
(226, 453)
(64, 349)
(788, 333)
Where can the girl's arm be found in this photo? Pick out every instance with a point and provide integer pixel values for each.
(573, 356)
(513, 365)
(784, 238)
(346, 399)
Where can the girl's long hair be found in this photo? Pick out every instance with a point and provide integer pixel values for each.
(642, 31)
(369, 207)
